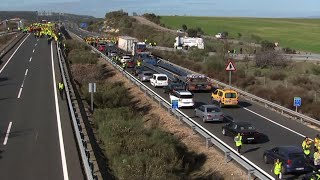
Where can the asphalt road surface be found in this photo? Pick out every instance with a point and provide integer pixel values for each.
(37, 140)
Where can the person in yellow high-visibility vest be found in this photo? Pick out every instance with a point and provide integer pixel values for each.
(277, 168)
(238, 141)
(317, 142)
(306, 146)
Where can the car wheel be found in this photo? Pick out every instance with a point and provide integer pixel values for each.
(204, 119)
(224, 132)
(265, 159)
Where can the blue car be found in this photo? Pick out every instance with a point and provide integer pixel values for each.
(292, 158)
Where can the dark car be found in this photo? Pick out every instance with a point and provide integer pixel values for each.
(248, 132)
(292, 158)
(130, 63)
(138, 69)
(173, 86)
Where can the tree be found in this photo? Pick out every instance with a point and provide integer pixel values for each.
(192, 32)
(184, 27)
(270, 59)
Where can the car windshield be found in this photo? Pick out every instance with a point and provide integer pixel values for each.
(198, 80)
(177, 86)
(231, 95)
(186, 96)
(213, 110)
(246, 127)
(162, 78)
(296, 155)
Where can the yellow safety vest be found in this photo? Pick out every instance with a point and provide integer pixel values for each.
(277, 168)
(61, 86)
(238, 140)
(306, 147)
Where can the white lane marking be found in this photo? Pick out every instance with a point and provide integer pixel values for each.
(13, 54)
(25, 74)
(7, 135)
(35, 44)
(62, 151)
(37, 39)
(19, 93)
(30, 59)
(33, 51)
(274, 122)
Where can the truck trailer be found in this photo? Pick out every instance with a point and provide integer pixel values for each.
(126, 43)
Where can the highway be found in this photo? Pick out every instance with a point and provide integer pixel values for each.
(37, 140)
(277, 129)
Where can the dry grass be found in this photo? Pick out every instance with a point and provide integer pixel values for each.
(157, 116)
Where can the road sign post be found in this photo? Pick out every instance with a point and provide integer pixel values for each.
(92, 89)
(297, 102)
(175, 104)
(230, 67)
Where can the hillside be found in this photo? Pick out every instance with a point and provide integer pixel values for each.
(300, 34)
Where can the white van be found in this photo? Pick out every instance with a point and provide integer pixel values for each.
(185, 98)
(159, 80)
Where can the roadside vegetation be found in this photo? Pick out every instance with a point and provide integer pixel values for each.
(135, 145)
(6, 39)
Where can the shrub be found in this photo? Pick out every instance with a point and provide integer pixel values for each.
(152, 17)
(257, 72)
(303, 81)
(289, 50)
(270, 59)
(316, 70)
(277, 75)
(267, 45)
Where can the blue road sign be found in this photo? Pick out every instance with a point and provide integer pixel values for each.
(83, 25)
(297, 101)
(174, 104)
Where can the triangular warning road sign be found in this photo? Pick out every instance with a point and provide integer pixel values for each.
(230, 67)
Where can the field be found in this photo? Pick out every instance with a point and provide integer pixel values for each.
(299, 34)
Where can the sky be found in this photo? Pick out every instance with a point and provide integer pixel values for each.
(243, 8)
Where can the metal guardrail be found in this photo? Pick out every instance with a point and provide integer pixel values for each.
(252, 97)
(80, 140)
(210, 138)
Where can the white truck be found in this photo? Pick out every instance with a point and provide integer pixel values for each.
(187, 42)
(126, 43)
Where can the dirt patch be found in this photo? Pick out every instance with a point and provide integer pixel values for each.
(157, 116)
(145, 21)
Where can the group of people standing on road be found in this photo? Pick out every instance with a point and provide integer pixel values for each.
(306, 146)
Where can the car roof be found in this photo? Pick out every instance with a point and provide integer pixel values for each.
(210, 106)
(160, 74)
(183, 92)
(241, 123)
(126, 57)
(290, 149)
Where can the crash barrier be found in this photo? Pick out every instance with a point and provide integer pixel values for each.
(267, 104)
(10, 45)
(211, 139)
(82, 143)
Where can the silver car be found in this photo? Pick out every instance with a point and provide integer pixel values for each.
(144, 76)
(209, 113)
